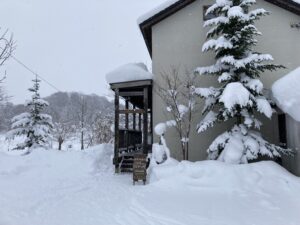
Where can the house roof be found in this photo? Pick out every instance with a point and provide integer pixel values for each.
(172, 6)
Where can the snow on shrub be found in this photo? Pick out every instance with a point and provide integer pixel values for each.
(160, 129)
(158, 153)
(161, 152)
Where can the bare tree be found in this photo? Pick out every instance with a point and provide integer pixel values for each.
(82, 114)
(7, 46)
(62, 132)
(177, 92)
(3, 96)
(99, 131)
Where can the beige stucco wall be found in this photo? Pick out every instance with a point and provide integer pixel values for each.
(177, 41)
(292, 163)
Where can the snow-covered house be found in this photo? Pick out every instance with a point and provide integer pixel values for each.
(174, 35)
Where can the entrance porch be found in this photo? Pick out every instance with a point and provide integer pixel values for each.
(133, 122)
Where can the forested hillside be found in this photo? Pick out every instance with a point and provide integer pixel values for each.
(87, 118)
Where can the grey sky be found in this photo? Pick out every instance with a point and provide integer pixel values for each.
(72, 43)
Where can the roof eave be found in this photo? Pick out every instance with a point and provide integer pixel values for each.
(289, 5)
(146, 26)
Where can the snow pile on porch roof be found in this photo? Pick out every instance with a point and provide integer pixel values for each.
(129, 72)
(286, 92)
(156, 10)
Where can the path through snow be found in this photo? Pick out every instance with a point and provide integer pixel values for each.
(80, 188)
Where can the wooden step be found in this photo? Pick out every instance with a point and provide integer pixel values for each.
(125, 165)
(127, 161)
(126, 170)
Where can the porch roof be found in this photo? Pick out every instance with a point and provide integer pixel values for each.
(129, 72)
(134, 91)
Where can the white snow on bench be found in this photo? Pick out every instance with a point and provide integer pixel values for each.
(156, 10)
(129, 72)
(286, 92)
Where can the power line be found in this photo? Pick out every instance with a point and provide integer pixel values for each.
(31, 71)
(34, 73)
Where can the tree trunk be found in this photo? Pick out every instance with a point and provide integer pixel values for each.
(60, 141)
(82, 144)
(59, 145)
(187, 150)
(183, 151)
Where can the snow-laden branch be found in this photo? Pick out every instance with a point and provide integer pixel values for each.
(239, 95)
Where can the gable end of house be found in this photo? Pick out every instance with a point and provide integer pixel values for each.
(147, 24)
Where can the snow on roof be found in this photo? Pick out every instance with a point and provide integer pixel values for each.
(129, 72)
(286, 93)
(156, 10)
(164, 6)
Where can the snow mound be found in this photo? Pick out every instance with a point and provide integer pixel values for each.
(129, 72)
(286, 93)
(80, 188)
(214, 174)
(53, 162)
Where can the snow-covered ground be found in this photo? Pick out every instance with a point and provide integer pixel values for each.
(80, 188)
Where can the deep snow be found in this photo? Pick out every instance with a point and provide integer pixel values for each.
(80, 188)
(287, 94)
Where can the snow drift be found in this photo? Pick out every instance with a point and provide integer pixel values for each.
(286, 93)
(80, 188)
(266, 175)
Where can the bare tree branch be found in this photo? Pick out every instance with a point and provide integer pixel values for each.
(177, 92)
(7, 46)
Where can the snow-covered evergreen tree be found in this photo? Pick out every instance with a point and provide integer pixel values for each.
(34, 125)
(240, 93)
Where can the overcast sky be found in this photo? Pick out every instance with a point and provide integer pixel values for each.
(72, 43)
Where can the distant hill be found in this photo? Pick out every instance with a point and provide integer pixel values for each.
(64, 106)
